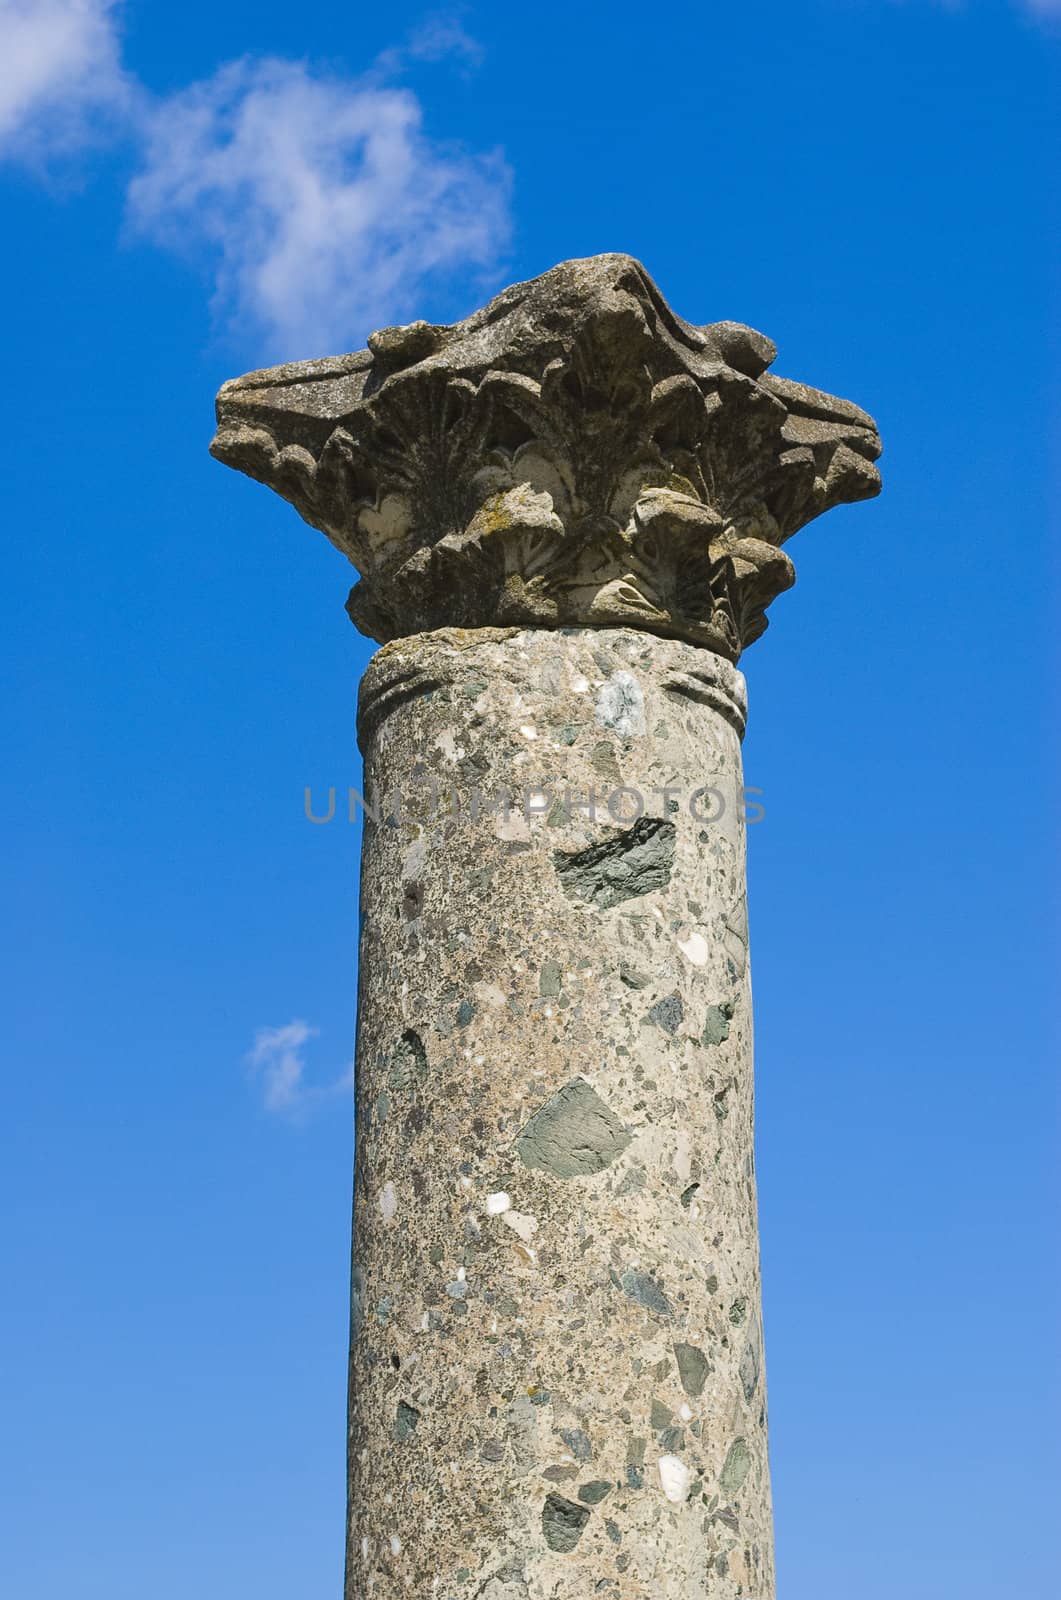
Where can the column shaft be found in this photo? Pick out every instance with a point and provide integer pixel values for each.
(557, 1382)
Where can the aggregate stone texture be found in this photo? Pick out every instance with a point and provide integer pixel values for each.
(557, 1384)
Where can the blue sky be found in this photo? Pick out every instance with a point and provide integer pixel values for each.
(192, 191)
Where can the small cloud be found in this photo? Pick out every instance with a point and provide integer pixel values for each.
(278, 1060)
(442, 35)
(61, 78)
(321, 204)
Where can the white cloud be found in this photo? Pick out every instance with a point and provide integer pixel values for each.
(60, 74)
(278, 1060)
(318, 205)
(321, 201)
(440, 35)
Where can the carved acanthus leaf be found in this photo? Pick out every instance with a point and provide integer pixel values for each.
(573, 454)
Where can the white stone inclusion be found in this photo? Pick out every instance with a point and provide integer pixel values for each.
(675, 1478)
(525, 1226)
(695, 948)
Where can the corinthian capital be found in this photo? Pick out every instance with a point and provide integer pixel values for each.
(573, 454)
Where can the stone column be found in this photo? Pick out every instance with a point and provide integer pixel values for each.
(567, 512)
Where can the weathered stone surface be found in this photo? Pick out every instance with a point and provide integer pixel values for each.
(574, 453)
(557, 1226)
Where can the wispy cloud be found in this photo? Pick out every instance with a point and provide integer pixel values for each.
(324, 203)
(1039, 10)
(318, 206)
(439, 36)
(61, 78)
(278, 1061)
